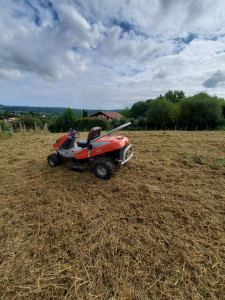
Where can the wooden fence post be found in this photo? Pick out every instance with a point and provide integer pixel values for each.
(11, 128)
(21, 127)
(45, 129)
(35, 127)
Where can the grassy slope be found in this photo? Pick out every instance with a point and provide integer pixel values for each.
(154, 231)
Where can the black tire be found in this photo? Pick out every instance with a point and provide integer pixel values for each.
(104, 168)
(53, 160)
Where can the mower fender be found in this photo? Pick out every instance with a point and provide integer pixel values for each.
(103, 145)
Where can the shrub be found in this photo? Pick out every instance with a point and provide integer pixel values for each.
(4, 126)
(29, 121)
(115, 123)
(122, 121)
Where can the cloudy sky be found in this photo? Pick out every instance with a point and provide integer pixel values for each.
(101, 54)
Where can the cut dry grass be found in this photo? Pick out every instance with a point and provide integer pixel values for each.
(153, 231)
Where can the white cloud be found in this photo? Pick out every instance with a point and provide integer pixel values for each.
(10, 74)
(109, 54)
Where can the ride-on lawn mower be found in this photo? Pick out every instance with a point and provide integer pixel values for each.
(99, 153)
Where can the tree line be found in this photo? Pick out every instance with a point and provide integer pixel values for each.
(175, 111)
(170, 111)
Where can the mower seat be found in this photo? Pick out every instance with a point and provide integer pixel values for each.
(93, 134)
(82, 143)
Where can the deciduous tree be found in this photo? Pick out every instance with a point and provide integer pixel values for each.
(201, 111)
(162, 114)
(139, 109)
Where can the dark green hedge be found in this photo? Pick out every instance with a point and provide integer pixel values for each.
(86, 124)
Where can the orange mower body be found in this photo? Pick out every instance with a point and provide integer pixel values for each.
(99, 153)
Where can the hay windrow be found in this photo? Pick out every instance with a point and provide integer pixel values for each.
(154, 231)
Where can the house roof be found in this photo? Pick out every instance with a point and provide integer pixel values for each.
(109, 114)
(13, 119)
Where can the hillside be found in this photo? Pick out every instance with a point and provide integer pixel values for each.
(46, 110)
(154, 231)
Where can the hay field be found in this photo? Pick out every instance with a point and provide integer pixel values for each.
(153, 231)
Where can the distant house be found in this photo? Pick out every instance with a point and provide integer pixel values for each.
(108, 115)
(12, 120)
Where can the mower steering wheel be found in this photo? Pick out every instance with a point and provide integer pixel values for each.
(73, 132)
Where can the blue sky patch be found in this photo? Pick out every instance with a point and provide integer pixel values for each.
(188, 39)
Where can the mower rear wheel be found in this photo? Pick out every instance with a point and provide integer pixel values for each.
(104, 168)
(53, 160)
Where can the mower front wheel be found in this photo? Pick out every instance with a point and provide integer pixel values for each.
(104, 168)
(53, 160)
